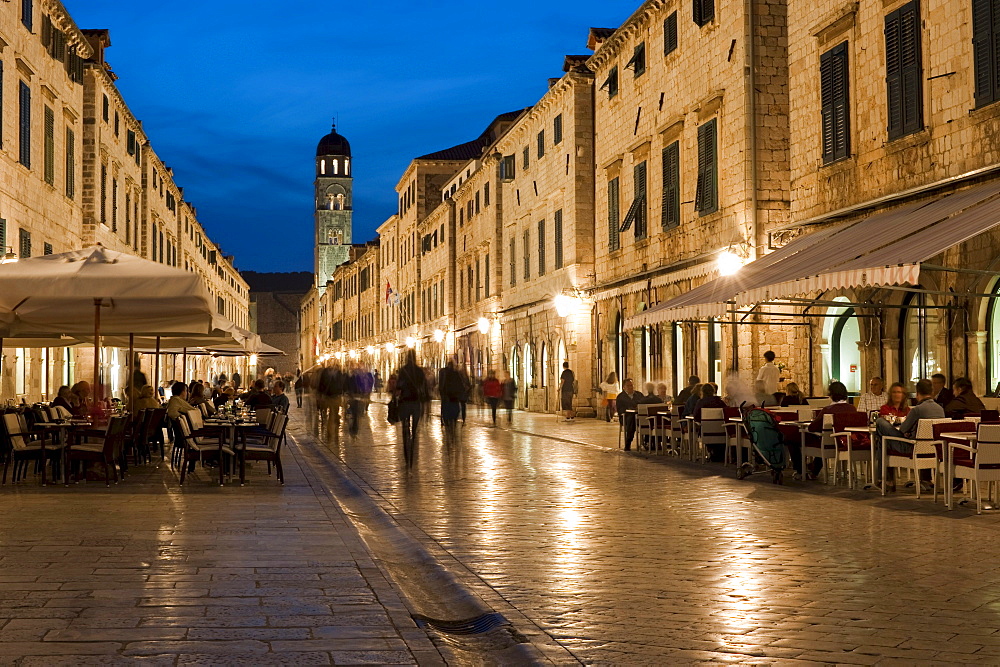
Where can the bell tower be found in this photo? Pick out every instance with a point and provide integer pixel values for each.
(334, 205)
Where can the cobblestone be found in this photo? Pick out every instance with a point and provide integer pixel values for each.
(150, 573)
(625, 558)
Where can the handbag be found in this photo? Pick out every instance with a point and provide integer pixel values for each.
(393, 414)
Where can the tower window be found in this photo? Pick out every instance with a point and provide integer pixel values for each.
(322, 166)
(335, 166)
(347, 166)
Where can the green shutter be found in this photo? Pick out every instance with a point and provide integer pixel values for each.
(50, 146)
(903, 71)
(639, 187)
(557, 129)
(670, 216)
(70, 163)
(834, 100)
(541, 247)
(24, 124)
(541, 143)
(706, 196)
(670, 33)
(613, 215)
(558, 233)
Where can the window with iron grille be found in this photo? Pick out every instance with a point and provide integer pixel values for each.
(24, 121)
(670, 34)
(904, 71)
(834, 100)
(706, 198)
(670, 216)
(557, 129)
(613, 215)
(557, 232)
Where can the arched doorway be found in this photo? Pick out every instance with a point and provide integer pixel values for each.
(920, 330)
(621, 348)
(842, 352)
(529, 372)
(993, 329)
(514, 367)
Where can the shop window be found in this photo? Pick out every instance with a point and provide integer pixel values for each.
(921, 326)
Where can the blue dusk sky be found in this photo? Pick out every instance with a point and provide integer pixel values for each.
(235, 95)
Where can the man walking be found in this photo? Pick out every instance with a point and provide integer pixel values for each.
(411, 392)
(567, 386)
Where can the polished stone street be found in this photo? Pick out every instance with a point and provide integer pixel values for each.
(623, 558)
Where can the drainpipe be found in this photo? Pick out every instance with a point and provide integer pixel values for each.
(750, 102)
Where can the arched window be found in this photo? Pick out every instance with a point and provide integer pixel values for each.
(347, 166)
(621, 348)
(993, 328)
(545, 365)
(339, 202)
(335, 166)
(843, 336)
(920, 326)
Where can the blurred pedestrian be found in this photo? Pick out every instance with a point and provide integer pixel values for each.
(412, 392)
(493, 391)
(509, 394)
(567, 389)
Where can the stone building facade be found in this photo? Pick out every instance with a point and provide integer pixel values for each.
(275, 301)
(815, 178)
(78, 169)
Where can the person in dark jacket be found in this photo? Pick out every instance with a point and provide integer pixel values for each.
(965, 400)
(684, 394)
(708, 400)
(838, 404)
(451, 389)
(627, 403)
(942, 395)
(411, 392)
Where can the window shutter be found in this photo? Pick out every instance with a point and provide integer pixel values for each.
(3, 237)
(706, 196)
(611, 83)
(25, 243)
(513, 262)
(671, 215)
(557, 223)
(613, 214)
(638, 62)
(834, 102)
(670, 33)
(27, 13)
(24, 109)
(557, 129)
(903, 71)
(541, 143)
(50, 146)
(985, 46)
(704, 11)
(639, 184)
(527, 254)
(47, 249)
(541, 247)
(70, 163)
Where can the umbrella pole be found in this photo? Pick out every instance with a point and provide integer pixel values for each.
(98, 393)
(130, 382)
(156, 369)
(184, 365)
(1, 367)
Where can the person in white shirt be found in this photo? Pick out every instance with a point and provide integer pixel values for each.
(875, 397)
(769, 374)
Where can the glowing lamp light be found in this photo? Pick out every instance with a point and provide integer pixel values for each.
(566, 304)
(389, 347)
(484, 325)
(411, 342)
(253, 359)
(438, 335)
(370, 349)
(354, 354)
(728, 263)
(339, 355)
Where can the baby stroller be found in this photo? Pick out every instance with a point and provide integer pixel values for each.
(762, 429)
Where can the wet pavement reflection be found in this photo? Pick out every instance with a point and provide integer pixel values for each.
(622, 559)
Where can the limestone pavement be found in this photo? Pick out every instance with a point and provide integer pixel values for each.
(149, 572)
(628, 559)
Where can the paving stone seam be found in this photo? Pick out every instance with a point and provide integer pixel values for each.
(543, 642)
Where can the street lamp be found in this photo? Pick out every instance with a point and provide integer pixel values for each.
(411, 342)
(566, 304)
(370, 349)
(484, 325)
(8, 257)
(389, 347)
(438, 335)
(728, 263)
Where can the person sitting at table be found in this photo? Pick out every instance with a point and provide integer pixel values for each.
(63, 399)
(278, 397)
(661, 393)
(651, 398)
(146, 400)
(965, 400)
(874, 398)
(692, 400)
(898, 403)
(684, 394)
(708, 399)
(257, 397)
(838, 404)
(627, 403)
(80, 398)
(942, 395)
(178, 401)
(793, 396)
(224, 396)
(925, 407)
(196, 394)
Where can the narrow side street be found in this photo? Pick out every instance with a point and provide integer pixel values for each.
(626, 559)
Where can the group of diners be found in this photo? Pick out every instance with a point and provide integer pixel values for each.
(893, 412)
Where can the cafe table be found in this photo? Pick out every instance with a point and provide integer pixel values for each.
(237, 428)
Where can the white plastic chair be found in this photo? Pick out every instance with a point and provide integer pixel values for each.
(827, 449)
(711, 430)
(818, 402)
(924, 456)
(984, 464)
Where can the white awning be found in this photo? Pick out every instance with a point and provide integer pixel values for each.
(883, 249)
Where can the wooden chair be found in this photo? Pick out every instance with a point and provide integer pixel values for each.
(20, 447)
(108, 451)
(267, 449)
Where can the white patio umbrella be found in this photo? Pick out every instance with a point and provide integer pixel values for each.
(97, 291)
